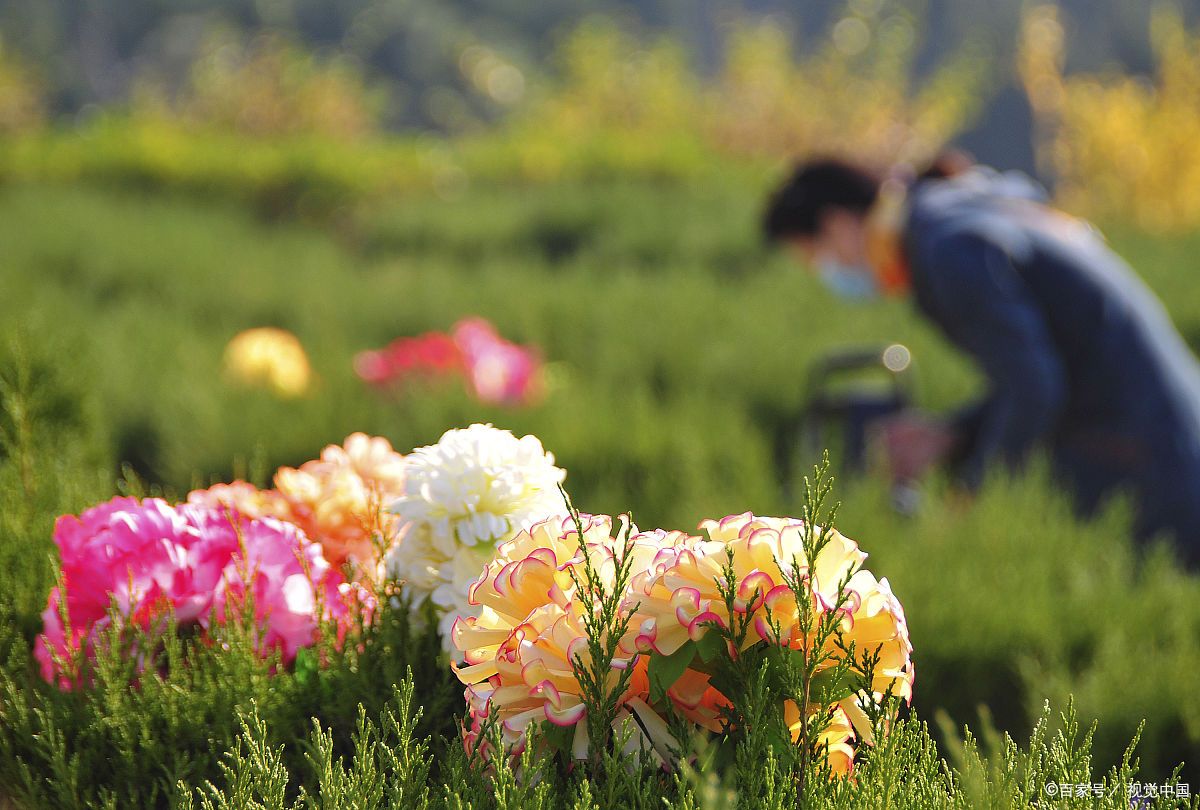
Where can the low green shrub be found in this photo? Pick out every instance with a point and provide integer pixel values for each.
(1056, 770)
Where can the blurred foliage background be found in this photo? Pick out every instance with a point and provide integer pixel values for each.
(318, 103)
(589, 177)
(431, 56)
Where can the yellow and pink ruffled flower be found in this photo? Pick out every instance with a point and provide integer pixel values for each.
(874, 621)
(340, 499)
(680, 594)
(769, 551)
(526, 573)
(679, 600)
(519, 651)
(836, 738)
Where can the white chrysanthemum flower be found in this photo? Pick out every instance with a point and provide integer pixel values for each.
(463, 496)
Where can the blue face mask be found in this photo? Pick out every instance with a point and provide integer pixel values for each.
(854, 282)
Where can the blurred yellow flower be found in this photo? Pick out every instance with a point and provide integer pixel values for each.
(271, 358)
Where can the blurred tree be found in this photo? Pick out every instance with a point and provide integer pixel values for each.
(268, 86)
(1119, 145)
(423, 52)
(21, 101)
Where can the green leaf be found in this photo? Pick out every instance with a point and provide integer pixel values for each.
(829, 685)
(664, 670)
(558, 738)
(778, 737)
(710, 646)
(784, 661)
(724, 681)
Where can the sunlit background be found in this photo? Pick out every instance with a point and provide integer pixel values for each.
(361, 177)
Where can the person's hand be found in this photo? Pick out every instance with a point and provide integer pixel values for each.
(912, 443)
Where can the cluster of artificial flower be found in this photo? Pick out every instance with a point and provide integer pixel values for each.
(495, 370)
(298, 548)
(437, 516)
(477, 524)
(519, 650)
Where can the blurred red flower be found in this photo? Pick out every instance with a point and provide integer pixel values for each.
(496, 371)
(433, 354)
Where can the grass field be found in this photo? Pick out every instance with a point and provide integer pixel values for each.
(679, 350)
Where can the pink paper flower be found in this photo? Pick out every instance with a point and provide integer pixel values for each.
(500, 372)
(121, 552)
(148, 558)
(292, 585)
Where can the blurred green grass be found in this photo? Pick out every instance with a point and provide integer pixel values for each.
(680, 348)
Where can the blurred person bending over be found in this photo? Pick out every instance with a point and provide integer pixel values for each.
(1081, 357)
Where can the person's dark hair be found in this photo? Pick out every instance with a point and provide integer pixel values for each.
(796, 208)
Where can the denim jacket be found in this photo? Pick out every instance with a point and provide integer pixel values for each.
(1081, 357)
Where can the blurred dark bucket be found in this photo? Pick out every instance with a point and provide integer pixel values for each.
(851, 390)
